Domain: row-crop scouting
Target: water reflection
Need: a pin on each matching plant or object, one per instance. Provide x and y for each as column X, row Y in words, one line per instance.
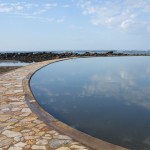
column 121, row 86
column 107, row 98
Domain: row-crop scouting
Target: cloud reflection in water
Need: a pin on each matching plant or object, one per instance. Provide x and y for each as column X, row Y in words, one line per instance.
column 122, row 86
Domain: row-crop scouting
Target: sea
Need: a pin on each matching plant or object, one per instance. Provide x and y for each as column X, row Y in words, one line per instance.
column 83, row 51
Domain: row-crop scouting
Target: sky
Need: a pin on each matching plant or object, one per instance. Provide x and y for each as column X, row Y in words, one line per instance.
column 74, row 25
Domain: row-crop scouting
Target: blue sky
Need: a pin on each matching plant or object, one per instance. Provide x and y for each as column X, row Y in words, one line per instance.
column 74, row 24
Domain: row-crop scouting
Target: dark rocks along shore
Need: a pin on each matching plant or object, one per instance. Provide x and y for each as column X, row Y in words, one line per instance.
column 41, row 56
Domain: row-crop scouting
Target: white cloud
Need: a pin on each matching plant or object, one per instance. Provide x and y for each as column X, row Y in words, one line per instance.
column 60, row 20
column 45, row 8
column 4, row 8
column 31, row 11
column 121, row 14
column 30, row 5
column 66, row 6
column 50, row 5
column 38, row 12
column 13, row 7
column 126, row 23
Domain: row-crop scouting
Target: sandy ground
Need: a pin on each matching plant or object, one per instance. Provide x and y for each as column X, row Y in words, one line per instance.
column 4, row 69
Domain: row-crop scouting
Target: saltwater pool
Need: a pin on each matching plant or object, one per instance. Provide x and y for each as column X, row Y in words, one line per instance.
column 106, row 97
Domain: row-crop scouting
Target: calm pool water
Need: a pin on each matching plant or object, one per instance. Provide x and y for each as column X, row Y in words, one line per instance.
column 106, row 97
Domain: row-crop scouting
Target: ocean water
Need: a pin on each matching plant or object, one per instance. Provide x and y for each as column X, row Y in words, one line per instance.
column 83, row 51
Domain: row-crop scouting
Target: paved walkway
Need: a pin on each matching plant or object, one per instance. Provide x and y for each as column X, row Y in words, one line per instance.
column 20, row 128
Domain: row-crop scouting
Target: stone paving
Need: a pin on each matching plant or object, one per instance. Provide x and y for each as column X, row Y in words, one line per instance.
column 20, row 128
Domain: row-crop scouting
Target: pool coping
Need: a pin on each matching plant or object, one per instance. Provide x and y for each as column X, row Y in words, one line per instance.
column 48, row 119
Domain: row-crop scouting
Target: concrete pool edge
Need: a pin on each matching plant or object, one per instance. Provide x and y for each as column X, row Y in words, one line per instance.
column 58, row 125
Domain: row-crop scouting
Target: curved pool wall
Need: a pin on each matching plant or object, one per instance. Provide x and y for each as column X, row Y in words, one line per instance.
column 111, row 104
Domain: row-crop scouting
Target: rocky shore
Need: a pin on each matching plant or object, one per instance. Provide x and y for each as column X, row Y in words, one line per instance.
column 42, row 56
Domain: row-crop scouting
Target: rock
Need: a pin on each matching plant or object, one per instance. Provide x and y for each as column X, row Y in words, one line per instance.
column 12, row 120
column 5, row 110
column 18, row 129
column 56, row 143
column 77, row 147
column 4, row 117
column 9, row 133
column 35, row 130
column 20, row 144
column 40, row 126
column 8, row 127
column 42, row 142
column 28, row 119
column 52, row 132
column 63, row 148
column 47, row 137
column 26, row 110
column 40, row 133
column 16, row 103
column 37, row 121
column 38, row 147
column 4, row 141
column 25, row 114
column 17, row 139
column 17, row 91
column 74, row 143
column 30, row 142
column 27, row 147
column 2, row 138
column 24, row 131
column 110, row 52
column 15, row 109
column 62, row 137
column 31, row 137
column 15, row 148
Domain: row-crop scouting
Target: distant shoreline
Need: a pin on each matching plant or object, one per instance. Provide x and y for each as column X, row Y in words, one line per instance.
column 42, row 56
